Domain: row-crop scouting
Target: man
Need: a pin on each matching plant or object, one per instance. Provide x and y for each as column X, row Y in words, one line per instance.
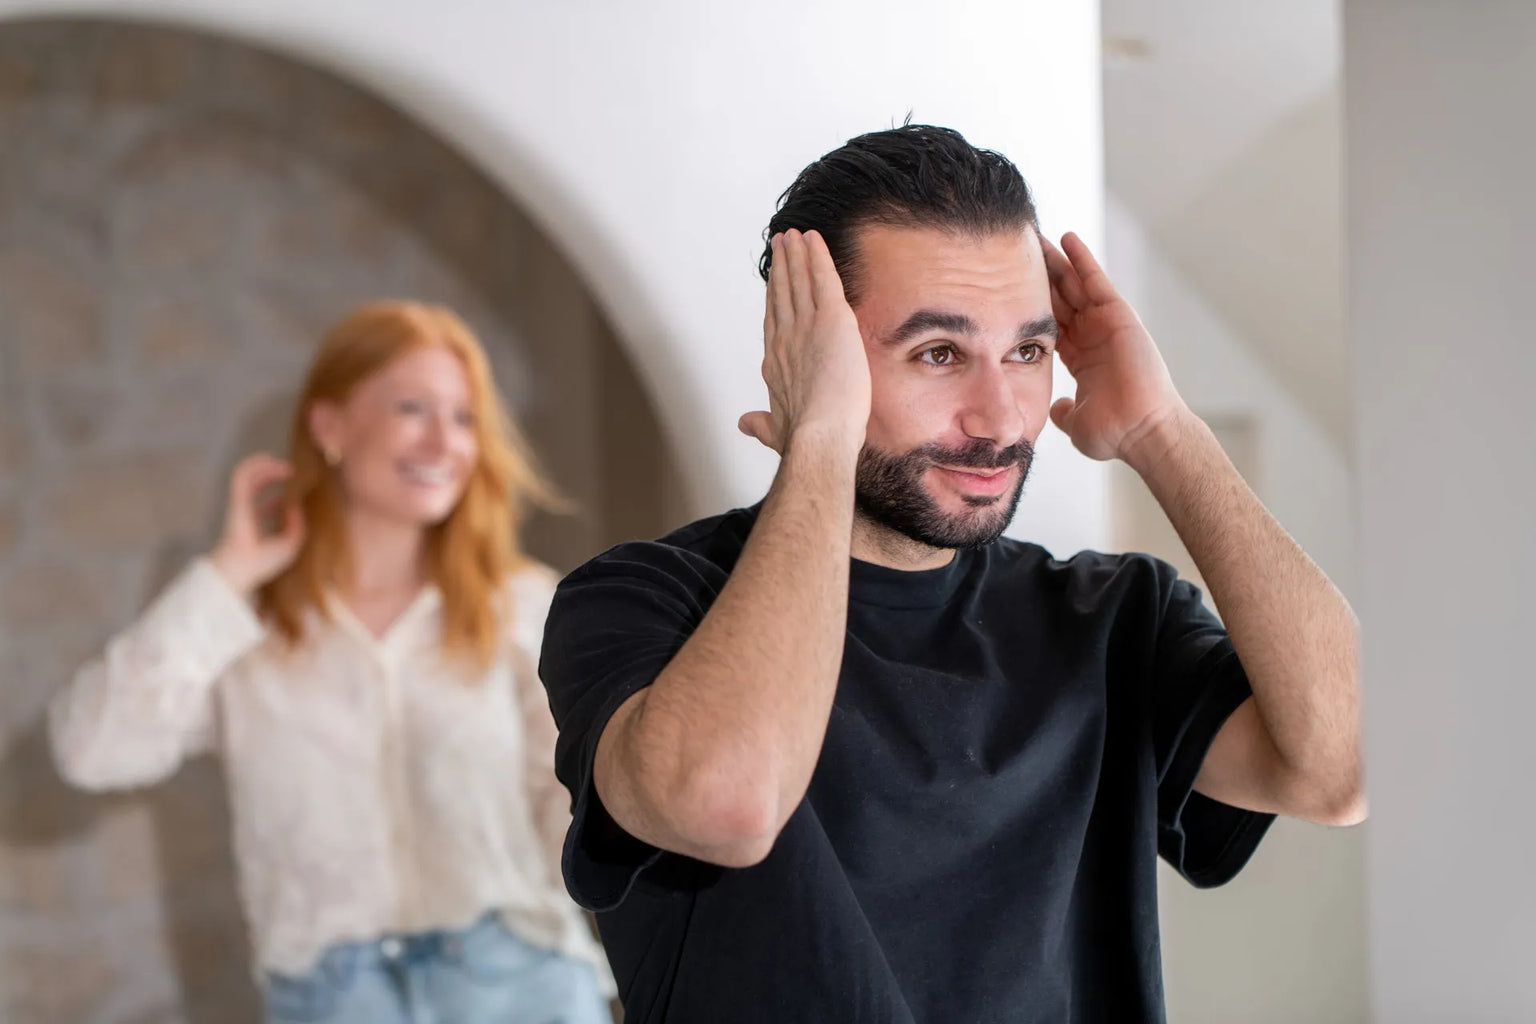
column 848, row 755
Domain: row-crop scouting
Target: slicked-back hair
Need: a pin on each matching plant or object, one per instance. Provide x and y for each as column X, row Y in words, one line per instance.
column 917, row 175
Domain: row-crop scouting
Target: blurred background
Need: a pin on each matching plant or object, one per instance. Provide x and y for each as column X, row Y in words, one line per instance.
column 1223, row 154
column 190, row 190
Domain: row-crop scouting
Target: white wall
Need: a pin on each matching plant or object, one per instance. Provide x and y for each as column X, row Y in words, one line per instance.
column 1441, row 157
column 1285, row 941
column 651, row 140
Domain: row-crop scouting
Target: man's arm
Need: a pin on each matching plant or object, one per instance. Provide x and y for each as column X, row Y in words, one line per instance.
column 712, row 758
column 1294, row 747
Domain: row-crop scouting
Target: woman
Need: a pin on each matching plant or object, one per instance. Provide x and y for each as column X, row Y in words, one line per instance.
column 363, row 653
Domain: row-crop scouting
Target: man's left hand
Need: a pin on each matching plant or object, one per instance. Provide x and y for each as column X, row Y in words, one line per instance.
column 1124, row 392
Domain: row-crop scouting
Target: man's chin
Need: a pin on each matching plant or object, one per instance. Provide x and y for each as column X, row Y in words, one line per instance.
column 928, row 509
column 985, row 515
column 968, row 525
column 975, row 531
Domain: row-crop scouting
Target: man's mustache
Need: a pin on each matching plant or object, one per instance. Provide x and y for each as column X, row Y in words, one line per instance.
column 978, row 454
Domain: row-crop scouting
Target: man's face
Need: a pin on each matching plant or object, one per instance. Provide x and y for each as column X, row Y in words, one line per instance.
column 960, row 338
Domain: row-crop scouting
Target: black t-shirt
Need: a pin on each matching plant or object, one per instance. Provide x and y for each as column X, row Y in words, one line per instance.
column 1013, row 741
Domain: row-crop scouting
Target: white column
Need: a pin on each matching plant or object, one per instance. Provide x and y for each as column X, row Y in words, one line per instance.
column 1441, row 155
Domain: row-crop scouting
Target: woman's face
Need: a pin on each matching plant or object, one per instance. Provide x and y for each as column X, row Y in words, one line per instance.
column 404, row 441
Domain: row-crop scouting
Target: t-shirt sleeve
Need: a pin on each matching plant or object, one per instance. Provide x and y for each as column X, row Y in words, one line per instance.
column 1197, row 683
column 614, row 625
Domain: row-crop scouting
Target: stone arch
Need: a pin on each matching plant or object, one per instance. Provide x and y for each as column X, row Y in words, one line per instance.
column 180, row 216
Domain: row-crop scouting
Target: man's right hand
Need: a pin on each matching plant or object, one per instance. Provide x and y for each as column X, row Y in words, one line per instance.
column 246, row 555
column 712, row 758
column 813, row 355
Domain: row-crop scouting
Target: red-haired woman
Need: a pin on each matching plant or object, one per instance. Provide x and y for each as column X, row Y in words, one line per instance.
column 363, row 656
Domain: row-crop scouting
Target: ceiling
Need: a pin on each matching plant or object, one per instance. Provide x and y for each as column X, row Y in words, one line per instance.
column 1223, row 137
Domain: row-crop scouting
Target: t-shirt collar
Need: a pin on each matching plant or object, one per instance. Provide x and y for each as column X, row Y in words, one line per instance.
column 885, row 587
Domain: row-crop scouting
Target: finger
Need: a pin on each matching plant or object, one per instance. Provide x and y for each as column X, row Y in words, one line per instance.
column 778, row 285
column 271, row 472
column 1096, row 284
column 1061, row 309
column 769, row 321
column 254, row 472
column 1061, row 413
column 1063, row 277
column 826, row 283
column 758, row 426
column 264, row 459
column 1067, row 354
column 1066, row 319
column 799, row 274
column 293, row 525
column 769, row 324
column 262, row 466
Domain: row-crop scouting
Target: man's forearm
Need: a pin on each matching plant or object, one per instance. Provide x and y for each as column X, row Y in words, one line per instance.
column 1295, row 633
column 722, row 745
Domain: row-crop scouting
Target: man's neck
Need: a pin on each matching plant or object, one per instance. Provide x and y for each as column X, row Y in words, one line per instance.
column 885, row 546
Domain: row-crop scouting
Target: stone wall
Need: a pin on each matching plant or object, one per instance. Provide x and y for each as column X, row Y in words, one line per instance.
column 180, row 217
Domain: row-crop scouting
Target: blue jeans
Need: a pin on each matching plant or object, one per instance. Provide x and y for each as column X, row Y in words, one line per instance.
column 481, row 975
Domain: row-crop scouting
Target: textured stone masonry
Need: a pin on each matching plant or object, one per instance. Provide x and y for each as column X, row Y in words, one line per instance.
column 180, row 216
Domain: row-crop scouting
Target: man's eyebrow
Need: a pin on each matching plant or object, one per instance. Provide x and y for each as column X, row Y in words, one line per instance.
column 1039, row 327
column 925, row 320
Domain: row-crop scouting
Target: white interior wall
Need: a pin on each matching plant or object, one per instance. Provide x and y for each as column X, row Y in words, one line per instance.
column 651, row 141
column 1441, row 154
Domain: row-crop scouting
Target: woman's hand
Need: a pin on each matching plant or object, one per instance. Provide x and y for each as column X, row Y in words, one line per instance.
column 247, row 556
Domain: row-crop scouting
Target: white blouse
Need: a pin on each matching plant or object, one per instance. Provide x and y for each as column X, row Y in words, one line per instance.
column 374, row 787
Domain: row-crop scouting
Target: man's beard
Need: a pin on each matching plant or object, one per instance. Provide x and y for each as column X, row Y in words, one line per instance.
column 889, row 491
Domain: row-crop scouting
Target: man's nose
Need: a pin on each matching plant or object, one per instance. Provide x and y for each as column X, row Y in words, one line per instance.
column 992, row 408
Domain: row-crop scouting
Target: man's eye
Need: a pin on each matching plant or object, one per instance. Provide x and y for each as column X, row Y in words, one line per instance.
column 939, row 355
column 1031, row 352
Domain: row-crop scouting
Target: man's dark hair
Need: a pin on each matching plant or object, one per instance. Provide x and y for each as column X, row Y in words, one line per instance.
column 917, row 175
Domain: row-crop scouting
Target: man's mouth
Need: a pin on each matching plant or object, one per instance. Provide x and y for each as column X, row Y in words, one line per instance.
column 978, row 480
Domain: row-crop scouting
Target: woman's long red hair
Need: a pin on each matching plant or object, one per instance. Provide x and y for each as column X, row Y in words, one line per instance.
column 470, row 553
